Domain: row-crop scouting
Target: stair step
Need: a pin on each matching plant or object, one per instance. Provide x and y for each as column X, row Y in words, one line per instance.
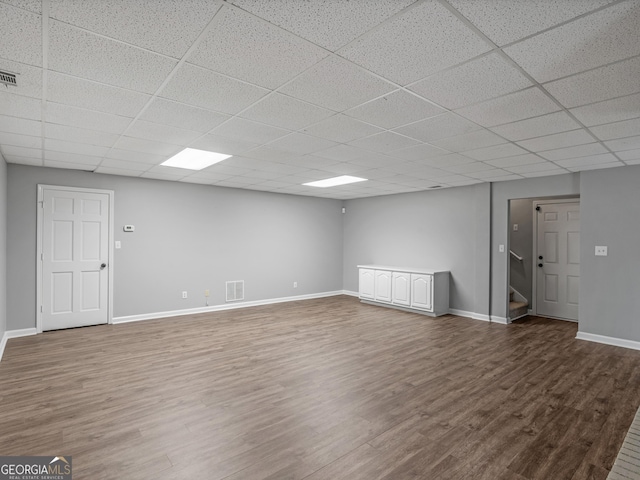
column 518, row 309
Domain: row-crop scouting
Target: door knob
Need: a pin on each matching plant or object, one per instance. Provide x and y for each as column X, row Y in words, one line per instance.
column 103, row 266
column 540, row 257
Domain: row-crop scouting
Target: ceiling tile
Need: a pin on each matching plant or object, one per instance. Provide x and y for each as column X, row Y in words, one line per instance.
column 82, row 54
column 20, row 125
column 478, row 139
column 94, row 96
column 34, row 6
column 525, row 159
column 243, row 46
column 117, row 171
column 286, row 112
column 341, row 128
column 266, row 152
column 395, row 109
column 68, row 157
column 73, row 147
column 510, row 108
column 573, row 152
column 36, row 162
column 14, row 151
column 28, row 78
column 468, row 168
column 629, row 155
column 557, row 140
column 478, row 80
column 384, row 142
column 495, row 175
column 184, row 116
column 546, row 173
column 162, row 175
column 342, row 168
column 609, row 111
column 308, row 161
column 21, row 35
column 588, row 160
column 396, row 50
column 573, row 47
column 341, row 153
column 503, row 21
column 165, row 27
column 621, row 144
column 251, row 131
column 147, row 146
column 452, row 179
column 376, row 160
column 302, row 144
column 442, row 126
column 89, row 119
column 69, row 166
column 125, row 165
column 448, row 160
column 496, row 151
column 206, row 89
column 419, row 152
column 580, row 168
column 537, row 126
column 161, row 133
column 540, row 166
column 336, row 84
column 141, row 157
column 18, row 140
column 328, row 24
column 79, row 135
column 596, row 85
column 19, row 106
column 229, row 146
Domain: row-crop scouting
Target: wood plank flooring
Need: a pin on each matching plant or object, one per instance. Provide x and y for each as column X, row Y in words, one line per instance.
column 320, row 389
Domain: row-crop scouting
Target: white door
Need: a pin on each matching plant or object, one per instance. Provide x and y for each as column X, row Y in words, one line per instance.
column 401, row 289
column 422, row 291
column 366, row 283
column 383, row 286
column 558, row 260
column 75, row 258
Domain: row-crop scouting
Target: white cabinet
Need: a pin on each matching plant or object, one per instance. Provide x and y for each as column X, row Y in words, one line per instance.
column 420, row 290
column 383, row 286
column 367, row 281
column 401, row 289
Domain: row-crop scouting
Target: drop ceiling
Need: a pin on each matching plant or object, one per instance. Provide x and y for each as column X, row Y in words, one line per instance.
column 409, row 94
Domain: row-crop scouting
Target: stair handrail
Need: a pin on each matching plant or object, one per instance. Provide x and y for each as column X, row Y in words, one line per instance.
column 516, row 256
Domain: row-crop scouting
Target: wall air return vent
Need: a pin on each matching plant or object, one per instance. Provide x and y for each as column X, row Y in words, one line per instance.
column 235, row 290
column 8, row 78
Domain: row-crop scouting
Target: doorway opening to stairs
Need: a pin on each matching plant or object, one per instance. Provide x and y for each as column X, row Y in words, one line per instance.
column 544, row 257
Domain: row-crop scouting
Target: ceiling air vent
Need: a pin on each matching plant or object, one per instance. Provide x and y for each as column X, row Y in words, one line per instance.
column 8, row 78
column 235, row 291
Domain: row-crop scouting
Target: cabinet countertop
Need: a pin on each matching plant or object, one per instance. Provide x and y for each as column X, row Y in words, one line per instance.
column 405, row 270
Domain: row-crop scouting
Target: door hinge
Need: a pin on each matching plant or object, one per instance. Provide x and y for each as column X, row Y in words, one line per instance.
column 41, row 309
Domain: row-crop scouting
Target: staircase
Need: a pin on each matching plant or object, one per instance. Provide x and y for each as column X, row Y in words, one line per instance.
column 517, row 309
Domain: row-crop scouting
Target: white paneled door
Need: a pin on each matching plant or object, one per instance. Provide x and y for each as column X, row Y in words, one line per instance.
column 558, row 260
column 75, row 258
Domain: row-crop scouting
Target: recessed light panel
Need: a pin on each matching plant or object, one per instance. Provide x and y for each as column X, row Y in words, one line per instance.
column 335, row 181
column 194, row 159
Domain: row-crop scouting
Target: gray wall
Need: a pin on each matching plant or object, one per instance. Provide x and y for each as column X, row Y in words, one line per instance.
column 521, row 242
column 187, row 237
column 609, row 286
column 501, row 194
column 3, row 246
column 440, row 229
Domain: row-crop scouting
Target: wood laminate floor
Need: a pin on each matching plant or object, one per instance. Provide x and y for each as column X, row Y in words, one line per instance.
column 320, row 389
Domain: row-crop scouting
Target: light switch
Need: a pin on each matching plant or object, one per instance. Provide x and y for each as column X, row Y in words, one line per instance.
column 601, row 251
column 118, row 244
column 501, row 248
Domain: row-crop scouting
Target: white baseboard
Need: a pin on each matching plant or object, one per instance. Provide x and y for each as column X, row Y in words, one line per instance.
column 25, row 332
column 350, row 293
column 617, row 342
column 476, row 316
column 501, row 320
column 226, row 306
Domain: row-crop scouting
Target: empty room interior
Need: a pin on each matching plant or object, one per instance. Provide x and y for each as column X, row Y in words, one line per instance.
column 323, row 239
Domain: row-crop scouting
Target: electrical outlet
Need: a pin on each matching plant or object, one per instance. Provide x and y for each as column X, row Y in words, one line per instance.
column 295, row 284
column 118, row 244
column 601, row 251
column 184, row 294
column 515, row 227
column 206, row 292
column 501, row 248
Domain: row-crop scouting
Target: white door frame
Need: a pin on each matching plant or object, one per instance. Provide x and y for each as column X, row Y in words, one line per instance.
column 534, row 259
column 40, row 232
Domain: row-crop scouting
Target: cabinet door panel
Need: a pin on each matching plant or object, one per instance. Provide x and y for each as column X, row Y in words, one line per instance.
column 383, row 286
column 422, row 291
column 401, row 288
column 366, row 284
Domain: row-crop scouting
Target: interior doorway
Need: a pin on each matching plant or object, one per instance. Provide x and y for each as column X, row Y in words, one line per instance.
column 547, row 286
